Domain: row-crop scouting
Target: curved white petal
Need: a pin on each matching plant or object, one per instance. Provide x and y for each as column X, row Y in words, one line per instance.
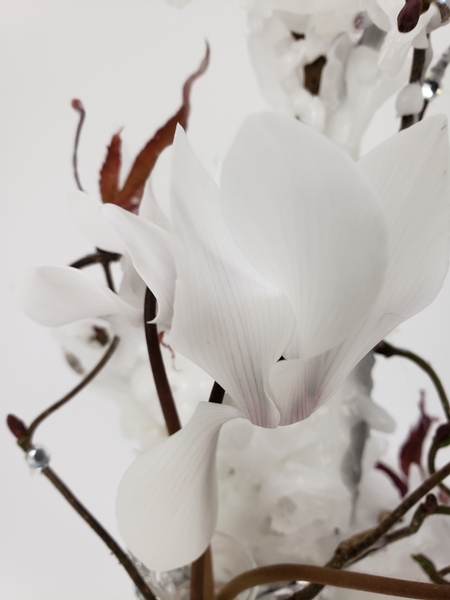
column 132, row 287
column 150, row 249
column 296, row 387
column 87, row 214
column 410, row 172
column 227, row 319
column 167, row 501
column 150, row 210
column 308, row 221
column 55, row 296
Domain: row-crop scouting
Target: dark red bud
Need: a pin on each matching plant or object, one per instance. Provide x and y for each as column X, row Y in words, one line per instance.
column 100, row 335
column 16, row 426
column 77, row 105
column 409, row 16
column 430, row 503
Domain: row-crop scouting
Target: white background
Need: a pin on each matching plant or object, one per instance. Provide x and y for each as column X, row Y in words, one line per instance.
column 126, row 60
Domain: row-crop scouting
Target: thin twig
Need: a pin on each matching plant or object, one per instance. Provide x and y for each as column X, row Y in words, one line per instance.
column 102, row 257
column 326, row 576
column 106, row 264
column 441, row 440
column 78, row 106
column 24, row 440
column 352, row 548
column 424, row 510
column 429, row 568
column 98, row 258
column 388, row 350
column 202, row 585
column 89, row 377
column 163, row 389
column 123, row 558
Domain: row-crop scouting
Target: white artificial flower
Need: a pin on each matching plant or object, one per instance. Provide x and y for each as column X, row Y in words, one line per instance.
column 300, row 254
column 352, row 85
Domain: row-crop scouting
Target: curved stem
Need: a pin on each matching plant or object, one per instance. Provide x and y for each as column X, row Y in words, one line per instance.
column 388, row 350
column 334, row 577
column 99, row 257
column 102, row 257
column 123, row 558
column 428, row 567
column 165, row 396
column 202, row 585
column 431, row 464
column 89, row 377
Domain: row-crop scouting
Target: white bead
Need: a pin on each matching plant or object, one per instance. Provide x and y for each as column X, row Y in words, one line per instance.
column 410, row 100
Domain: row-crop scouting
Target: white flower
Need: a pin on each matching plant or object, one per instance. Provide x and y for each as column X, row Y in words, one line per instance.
column 301, row 254
column 352, row 86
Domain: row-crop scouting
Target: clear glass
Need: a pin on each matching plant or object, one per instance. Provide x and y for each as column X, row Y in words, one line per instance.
column 230, row 558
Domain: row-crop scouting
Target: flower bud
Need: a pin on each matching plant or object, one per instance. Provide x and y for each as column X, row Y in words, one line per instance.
column 409, row 16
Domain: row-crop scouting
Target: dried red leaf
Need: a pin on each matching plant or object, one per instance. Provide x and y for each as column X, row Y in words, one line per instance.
column 400, row 484
column 411, row 451
column 16, row 426
column 110, row 171
column 409, row 16
column 130, row 196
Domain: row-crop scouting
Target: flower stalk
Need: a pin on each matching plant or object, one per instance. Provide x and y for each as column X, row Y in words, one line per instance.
column 389, row 350
column 163, row 389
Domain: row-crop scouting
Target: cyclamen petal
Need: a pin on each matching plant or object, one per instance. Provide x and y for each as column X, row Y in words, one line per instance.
column 309, row 222
column 56, row 296
column 167, row 502
column 227, row 318
column 411, row 173
column 150, row 249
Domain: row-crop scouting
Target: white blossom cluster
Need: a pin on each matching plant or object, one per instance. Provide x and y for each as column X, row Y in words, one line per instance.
column 356, row 48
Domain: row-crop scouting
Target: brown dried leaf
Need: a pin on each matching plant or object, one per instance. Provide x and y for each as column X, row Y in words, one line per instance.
column 411, row 451
column 110, row 171
column 130, row 196
column 401, row 485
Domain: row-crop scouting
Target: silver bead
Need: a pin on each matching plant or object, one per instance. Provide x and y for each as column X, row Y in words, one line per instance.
column 430, row 89
column 38, row 457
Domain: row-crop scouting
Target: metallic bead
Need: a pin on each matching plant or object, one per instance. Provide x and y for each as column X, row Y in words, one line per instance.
column 430, row 88
column 38, row 457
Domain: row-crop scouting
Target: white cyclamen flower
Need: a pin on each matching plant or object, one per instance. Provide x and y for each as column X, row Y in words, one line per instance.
column 300, row 254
